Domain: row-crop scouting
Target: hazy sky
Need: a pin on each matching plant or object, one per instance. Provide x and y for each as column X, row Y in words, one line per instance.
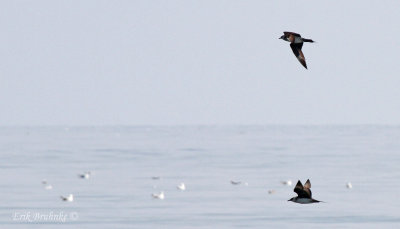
column 198, row 62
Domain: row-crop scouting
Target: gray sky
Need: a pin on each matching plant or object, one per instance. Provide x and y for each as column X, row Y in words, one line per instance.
column 198, row 62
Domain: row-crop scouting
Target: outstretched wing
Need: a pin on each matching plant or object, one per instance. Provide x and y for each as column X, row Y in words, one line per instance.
column 289, row 33
column 291, row 36
column 299, row 187
column 307, row 184
column 307, row 187
column 296, row 48
column 301, row 191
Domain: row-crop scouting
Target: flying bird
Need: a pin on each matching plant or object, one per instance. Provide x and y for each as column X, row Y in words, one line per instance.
column 304, row 195
column 296, row 43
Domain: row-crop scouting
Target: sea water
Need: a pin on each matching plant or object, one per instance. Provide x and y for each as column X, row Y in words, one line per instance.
column 124, row 159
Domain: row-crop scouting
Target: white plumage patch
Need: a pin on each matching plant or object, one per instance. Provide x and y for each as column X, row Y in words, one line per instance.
column 298, row 40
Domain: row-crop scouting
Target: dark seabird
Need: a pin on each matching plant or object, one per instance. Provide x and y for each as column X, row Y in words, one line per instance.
column 296, row 43
column 303, row 193
column 235, row 182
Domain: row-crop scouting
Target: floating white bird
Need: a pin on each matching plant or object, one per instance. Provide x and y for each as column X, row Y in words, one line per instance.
column 158, row 196
column 349, row 185
column 47, row 186
column 85, row 175
column 181, row 187
column 287, row 182
column 68, row 198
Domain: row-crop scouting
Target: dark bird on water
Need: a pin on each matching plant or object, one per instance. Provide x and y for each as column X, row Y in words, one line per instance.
column 304, row 195
column 296, row 43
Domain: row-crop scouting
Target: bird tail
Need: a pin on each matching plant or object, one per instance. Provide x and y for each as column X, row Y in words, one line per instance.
column 308, row 40
column 317, row 201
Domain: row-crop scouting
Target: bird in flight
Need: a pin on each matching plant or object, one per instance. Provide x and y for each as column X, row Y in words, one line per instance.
column 296, row 43
column 304, row 195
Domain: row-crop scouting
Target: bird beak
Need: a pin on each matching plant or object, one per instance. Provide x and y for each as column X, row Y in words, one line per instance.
column 280, row 38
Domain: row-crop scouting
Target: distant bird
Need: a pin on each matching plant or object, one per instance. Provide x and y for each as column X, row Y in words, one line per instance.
column 239, row 183
column 181, row 187
column 68, row 198
column 287, row 182
column 158, row 196
column 236, row 182
column 296, row 43
column 271, row 191
column 349, row 185
column 46, row 185
column 304, row 195
column 85, row 175
column 156, row 178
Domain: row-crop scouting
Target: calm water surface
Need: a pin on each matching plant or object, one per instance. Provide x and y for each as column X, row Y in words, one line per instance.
column 206, row 159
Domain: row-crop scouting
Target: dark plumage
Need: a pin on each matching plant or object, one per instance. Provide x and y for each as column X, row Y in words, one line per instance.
column 304, row 195
column 296, row 43
column 303, row 191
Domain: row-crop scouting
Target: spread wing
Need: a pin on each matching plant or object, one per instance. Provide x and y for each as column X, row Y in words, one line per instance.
column 301, row 191
column 291, row 33
column 307, row 184
column 296, row 48
column 291, row 36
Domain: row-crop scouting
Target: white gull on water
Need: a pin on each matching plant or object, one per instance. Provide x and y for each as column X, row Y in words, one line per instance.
column 287, row 182
column 349, row 185
column 68, row 198
column 46, row 185
column 85, row 175
column 158, row 195
column 181, row 187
